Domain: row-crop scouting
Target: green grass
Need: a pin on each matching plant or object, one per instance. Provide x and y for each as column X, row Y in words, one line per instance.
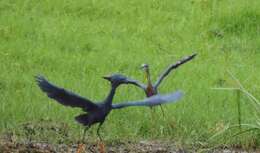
column 74, row 43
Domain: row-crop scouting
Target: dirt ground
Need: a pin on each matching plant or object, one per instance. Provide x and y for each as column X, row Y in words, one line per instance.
column 140, row 147
column 143, row 147
column 9, row 143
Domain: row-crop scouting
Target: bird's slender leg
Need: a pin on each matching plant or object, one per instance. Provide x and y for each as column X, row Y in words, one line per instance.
column 153, row 120
column 84, row 133
column 162, row 111
column 98, row 130
column 152, row 112
column 101, row 144
column 81, row 144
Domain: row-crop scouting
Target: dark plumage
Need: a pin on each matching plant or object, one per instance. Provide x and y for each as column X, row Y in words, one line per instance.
column 97, row 112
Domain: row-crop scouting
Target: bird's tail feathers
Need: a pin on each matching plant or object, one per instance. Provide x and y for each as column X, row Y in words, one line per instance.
column 83, row 119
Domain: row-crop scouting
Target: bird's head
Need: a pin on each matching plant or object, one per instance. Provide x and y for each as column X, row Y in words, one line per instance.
column 117, row 79
column 145, row 68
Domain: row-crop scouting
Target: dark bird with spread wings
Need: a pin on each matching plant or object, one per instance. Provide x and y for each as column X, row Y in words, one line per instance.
column 97, row 112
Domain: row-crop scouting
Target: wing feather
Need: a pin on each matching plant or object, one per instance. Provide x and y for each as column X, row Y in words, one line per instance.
column 171, row 67
column 63, row 96
column 152, row 101
column 136, row 83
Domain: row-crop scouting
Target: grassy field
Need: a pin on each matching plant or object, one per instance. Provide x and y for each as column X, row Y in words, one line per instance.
column 74, row 43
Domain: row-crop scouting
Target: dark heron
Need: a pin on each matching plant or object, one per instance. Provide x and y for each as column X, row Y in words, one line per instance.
column 151, row 89
column 97, row 112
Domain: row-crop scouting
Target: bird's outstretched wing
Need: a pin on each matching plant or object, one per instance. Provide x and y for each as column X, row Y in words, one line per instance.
column 136, row 83
column 63, row 96
column 171, row 67
column 152, row 101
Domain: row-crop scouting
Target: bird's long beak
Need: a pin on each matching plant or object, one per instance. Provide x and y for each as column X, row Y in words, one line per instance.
column 107, row 77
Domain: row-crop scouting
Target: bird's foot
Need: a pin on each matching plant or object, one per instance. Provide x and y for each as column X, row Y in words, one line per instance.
column 81, row 148
column 101, row 147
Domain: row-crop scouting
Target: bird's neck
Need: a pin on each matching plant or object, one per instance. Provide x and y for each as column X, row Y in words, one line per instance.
column 111, row 94
column 149, row 82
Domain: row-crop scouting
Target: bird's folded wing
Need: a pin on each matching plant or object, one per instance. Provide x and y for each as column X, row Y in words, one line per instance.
column 63, row 96
column 152, row 101
column 171, row 67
